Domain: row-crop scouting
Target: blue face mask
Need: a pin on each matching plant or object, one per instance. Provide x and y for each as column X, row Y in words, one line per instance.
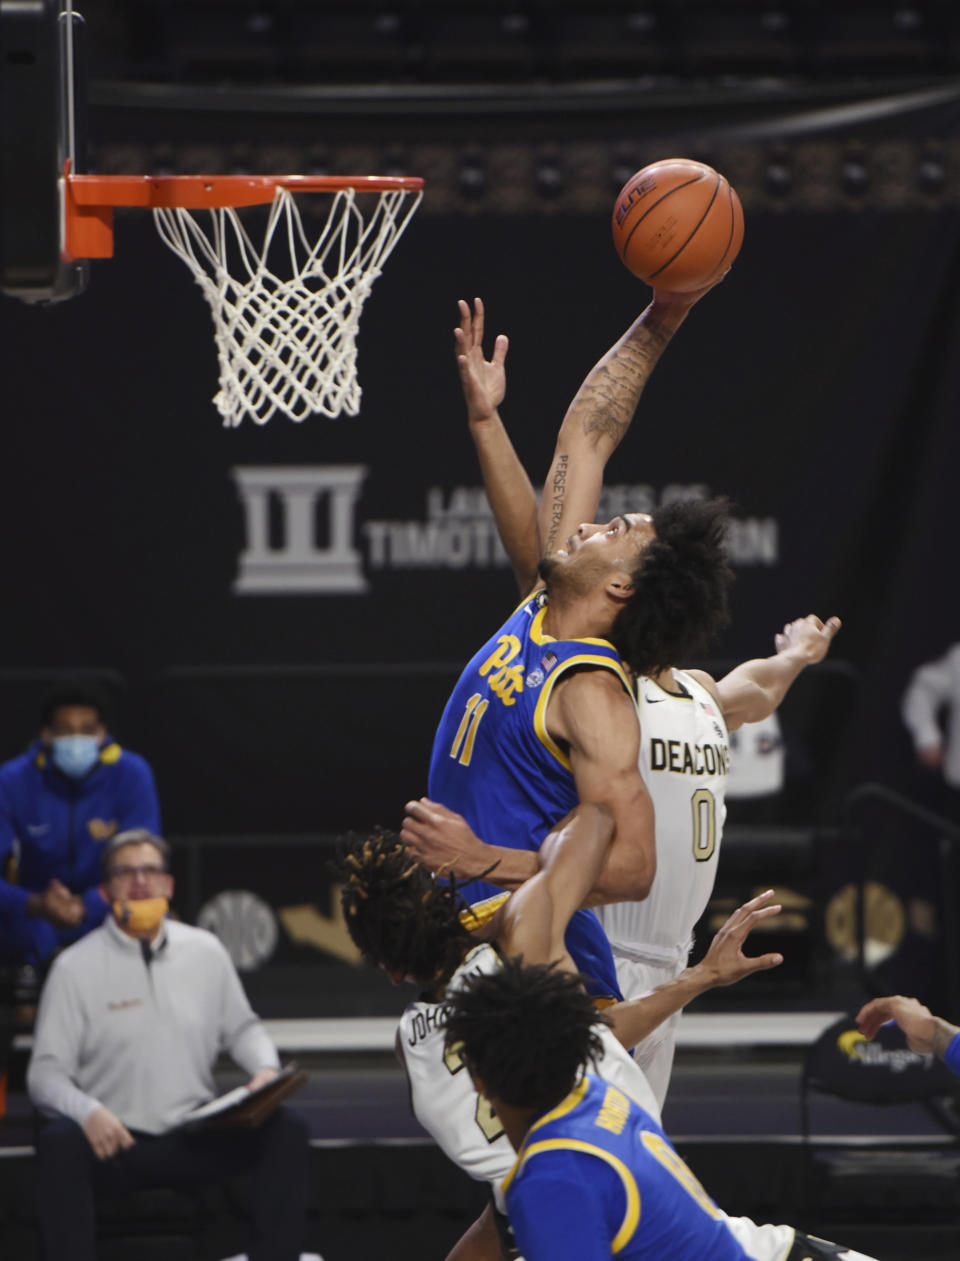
column 75, row 755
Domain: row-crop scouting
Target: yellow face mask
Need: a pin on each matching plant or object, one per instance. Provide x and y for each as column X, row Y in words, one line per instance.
column 141, row 917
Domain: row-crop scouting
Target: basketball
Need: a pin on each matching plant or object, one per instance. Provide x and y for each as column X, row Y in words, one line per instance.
column 677, row 224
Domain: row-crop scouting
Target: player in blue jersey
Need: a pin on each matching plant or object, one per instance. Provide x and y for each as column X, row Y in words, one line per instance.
column 543, row 715
column 650, row 939
column 595, row 1175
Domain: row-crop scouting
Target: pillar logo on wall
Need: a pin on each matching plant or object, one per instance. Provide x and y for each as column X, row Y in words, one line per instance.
column 304, row 537
column 300, row 565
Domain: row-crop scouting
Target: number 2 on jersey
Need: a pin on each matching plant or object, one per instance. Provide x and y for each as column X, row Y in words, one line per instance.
column 704, row 806
column 462, row 746
column 485, row 1117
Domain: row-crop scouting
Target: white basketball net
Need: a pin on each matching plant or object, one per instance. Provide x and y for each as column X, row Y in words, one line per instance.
column 288, row 343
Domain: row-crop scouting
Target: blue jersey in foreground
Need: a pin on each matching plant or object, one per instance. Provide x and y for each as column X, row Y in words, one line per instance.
column 596, row 1177
column 495, row 762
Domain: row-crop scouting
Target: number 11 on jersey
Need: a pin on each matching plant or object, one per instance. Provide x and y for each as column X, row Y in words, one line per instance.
column 462, row 746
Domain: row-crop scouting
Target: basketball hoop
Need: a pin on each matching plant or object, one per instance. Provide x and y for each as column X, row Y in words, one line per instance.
column 286, row 310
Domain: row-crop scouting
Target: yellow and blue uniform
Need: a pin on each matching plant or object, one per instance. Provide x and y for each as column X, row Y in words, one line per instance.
column 55, row 827
column 495, row 762
column 597, row 1177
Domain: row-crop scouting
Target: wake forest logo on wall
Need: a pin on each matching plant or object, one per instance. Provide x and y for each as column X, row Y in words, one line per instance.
column 305, row 536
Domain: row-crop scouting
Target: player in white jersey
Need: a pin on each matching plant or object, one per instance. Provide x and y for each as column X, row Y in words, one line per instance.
column 685, row 717
column 684, row 759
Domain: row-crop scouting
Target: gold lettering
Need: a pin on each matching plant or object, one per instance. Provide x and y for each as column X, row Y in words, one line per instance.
column 613, row 1111
column 507, row 648
column 507, row 682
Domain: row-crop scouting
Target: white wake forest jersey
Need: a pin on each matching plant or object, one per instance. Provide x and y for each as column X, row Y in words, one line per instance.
column 442, row 1096
column 684, row 761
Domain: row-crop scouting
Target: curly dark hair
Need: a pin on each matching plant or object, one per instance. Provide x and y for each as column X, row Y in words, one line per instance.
column 680, row 600
column 398, row 915
column 527, row 1030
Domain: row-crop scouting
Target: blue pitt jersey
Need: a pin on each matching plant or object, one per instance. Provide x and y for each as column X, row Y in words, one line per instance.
column 495, row 763
column 597, row 1177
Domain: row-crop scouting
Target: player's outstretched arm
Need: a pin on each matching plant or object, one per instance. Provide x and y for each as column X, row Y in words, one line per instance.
column 723, row 964
column 593, row 718
column 600, row 414
column 572, row 852
column 505, row 480
column 754, row 689
column 926, row 1033
column 444, row 841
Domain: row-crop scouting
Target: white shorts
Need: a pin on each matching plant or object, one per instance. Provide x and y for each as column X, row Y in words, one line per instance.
column 655, row 1053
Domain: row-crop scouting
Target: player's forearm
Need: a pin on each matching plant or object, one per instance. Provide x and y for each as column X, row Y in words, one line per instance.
column 603, row 407
column 600, row 415
column 511, row 497
column 510, row 867
column 572, row 857
column 754, row 689
column 637, row 1018
column 626, row 876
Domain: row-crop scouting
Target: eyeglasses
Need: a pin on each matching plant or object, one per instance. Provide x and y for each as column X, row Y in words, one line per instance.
column 149, row 871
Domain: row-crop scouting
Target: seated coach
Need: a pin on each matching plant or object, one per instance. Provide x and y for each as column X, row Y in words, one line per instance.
column 131, row 1021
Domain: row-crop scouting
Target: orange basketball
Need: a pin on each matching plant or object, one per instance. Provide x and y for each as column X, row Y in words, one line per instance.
column 677, row 224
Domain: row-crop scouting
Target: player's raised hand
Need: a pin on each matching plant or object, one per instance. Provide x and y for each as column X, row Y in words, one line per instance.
column 484, row 381
column 443, row 840
column 808, row 637
column 725, row 959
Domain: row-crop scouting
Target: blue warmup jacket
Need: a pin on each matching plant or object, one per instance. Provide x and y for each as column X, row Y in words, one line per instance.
column 54, row 827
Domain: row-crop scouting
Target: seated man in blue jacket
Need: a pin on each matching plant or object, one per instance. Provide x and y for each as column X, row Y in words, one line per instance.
column 72, row 790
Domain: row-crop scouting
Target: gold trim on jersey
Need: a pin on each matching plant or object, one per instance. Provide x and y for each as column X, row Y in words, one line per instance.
column 540, row 636
column 540, row 712
column 567, row 1104
column 631, row 1216
column 479, row 914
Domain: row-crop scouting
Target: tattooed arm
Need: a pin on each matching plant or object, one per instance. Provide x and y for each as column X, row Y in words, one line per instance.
column 600, row 415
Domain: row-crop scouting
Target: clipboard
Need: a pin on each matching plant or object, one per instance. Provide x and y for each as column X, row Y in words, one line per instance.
column 246, row 1109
